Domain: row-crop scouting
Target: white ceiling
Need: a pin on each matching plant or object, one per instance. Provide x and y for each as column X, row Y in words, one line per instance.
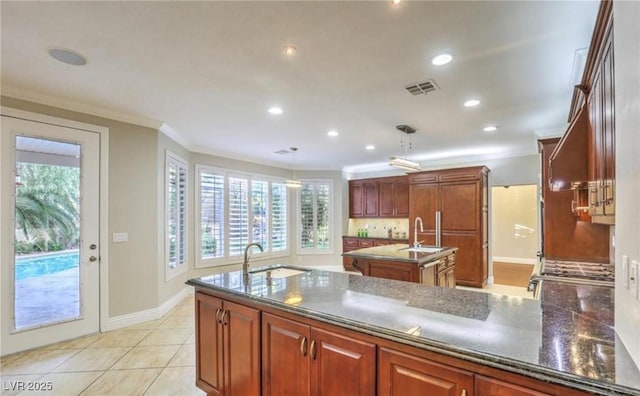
column 210, row 71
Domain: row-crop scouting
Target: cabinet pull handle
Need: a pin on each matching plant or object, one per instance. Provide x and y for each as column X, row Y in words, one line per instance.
column 303, row 346
column 218, row 312
column 223, row 318
column 463, row 393
column 312, row 351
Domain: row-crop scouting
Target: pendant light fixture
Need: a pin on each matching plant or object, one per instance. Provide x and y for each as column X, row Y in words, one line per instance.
column 293, row 183
column 405, row 163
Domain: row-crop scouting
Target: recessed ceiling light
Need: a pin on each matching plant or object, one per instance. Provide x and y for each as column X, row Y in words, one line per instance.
column 490, row 128
column 67, row 56
column 441, row 59
column 370, row 147
column 332, row 133
column 471, row 103
column 289, row 50
column 395, row 1
column 275, row 110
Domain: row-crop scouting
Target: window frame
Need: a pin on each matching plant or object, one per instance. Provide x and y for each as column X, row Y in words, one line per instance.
column 226, row 258
column 330, row 211
column 180, row 266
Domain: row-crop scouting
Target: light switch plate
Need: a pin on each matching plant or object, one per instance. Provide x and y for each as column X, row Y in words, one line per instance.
column 625, row 271
column 120, row 237
column 633, row 278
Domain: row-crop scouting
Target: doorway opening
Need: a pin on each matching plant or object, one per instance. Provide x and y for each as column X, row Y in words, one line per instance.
column 514, row 235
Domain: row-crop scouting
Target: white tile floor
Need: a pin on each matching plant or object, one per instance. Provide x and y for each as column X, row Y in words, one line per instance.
column 153, row 358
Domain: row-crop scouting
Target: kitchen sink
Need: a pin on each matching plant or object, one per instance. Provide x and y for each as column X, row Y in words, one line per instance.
column 424, row 249
column 278, row 272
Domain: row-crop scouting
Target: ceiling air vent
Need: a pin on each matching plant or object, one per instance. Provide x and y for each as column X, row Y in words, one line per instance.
column 422, row 88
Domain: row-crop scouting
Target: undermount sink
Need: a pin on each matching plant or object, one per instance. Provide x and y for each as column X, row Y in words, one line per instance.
column 424, row 249
column 278, row 273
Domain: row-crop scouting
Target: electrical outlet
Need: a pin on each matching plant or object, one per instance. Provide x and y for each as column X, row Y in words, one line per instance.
column 625, row 271
column 633, row 278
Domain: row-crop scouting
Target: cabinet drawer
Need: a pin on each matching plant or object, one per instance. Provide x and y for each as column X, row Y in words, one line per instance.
column 366, row 243
column 349, row 244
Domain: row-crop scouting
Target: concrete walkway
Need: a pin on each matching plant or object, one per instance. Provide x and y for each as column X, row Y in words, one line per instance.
column 48, row 298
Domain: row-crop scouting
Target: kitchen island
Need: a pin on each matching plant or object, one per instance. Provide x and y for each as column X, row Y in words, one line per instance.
column 429, row 265
column 319, row 332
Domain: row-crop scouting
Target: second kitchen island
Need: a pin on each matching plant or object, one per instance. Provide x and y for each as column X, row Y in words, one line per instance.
column 429, row 265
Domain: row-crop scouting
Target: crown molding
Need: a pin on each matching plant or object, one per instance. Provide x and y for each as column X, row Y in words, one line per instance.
column 30, row 96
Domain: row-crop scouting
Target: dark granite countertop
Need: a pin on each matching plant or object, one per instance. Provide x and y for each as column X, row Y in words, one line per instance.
column 396, row 252
column 399, row 240
column 565, row 338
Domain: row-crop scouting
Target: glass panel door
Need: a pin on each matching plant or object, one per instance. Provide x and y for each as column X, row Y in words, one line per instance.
column 50, row 228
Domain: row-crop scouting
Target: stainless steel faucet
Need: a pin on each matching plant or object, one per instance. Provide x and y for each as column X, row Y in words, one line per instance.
column 415, row 231
column 245, row 263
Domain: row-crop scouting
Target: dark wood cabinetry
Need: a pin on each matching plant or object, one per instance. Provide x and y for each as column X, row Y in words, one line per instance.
column 565, row 236
column 401, row 374
column 602, row 121
column 394, row 197
column 490, row 386
column 440, row 272
column 459, row 198
column 363, row 198
column 303, row 360
column 584, row 159
column 243, row 348
column 228, row 347
column 386, row 197
column 355, row 243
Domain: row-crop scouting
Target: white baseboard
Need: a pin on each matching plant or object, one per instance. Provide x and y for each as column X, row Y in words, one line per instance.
column 134, row 318
column 490, row 280
column 515, row 260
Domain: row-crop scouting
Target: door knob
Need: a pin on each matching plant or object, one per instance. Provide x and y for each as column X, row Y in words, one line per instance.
column 93, row 258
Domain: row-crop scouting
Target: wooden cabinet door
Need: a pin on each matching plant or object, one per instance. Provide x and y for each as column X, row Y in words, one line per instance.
column 391, row 270
column 356, row 199
column 608, row 133
column 285, row 364
column 447, row 278
column 341, row 365
column 209, row 350
column 460, row 206
column 400, row 374
column 401, row 191
column 423, row 203
column 486, row 386
column 387, row 204
column 370, row 199
column 241, row 335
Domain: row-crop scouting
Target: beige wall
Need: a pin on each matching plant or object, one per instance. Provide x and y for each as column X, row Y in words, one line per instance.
column 626, row 15
column 133, row 275
column 514, row 220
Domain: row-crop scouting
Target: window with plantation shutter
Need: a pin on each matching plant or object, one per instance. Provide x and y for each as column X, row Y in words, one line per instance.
column 235, row 210
column 238, row 215
column 314, row 225
column 260, row 213
column 212, row 209
column 278, row 217
column 176, row 214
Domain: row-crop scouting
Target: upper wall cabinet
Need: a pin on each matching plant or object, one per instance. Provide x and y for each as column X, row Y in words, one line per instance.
column 380, row 197
column 584, row 159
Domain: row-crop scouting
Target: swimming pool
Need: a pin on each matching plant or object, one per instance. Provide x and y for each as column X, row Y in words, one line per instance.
column 30, row 267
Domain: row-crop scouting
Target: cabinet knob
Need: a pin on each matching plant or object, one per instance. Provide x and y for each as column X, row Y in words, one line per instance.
column 463, row 393
column 303, row 346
